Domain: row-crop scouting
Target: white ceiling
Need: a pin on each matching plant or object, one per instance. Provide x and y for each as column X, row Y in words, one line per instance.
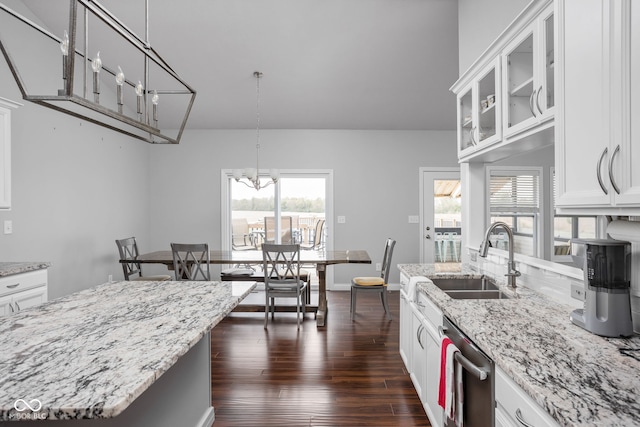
column 327, row 64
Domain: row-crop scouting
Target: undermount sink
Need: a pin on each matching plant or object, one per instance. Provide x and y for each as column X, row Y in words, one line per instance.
column 466, row 284
column 477, row 294
column 470, row 288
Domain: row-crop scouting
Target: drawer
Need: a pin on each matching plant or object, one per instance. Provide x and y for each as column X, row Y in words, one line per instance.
column 429, row 310
column 516, row 405
column 23, row 281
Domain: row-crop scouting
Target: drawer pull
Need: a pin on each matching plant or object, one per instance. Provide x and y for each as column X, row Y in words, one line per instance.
column 15, row 285
column 521, row 419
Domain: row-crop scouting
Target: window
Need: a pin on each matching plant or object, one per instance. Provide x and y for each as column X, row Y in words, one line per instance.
column 514, row 198
column 284, row 212
column 569, row 227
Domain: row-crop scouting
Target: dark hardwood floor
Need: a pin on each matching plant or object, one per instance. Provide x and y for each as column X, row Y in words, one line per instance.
column 345, row 374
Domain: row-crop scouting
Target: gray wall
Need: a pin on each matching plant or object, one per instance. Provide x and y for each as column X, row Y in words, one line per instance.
column 480, row 22
column 375, row 183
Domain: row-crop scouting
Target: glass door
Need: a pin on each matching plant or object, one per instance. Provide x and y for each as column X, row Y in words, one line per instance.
column 441, row 218
column 520, row 84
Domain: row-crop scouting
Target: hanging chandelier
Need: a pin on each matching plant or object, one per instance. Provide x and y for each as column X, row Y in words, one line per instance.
column 253, row 175
column 89, row 27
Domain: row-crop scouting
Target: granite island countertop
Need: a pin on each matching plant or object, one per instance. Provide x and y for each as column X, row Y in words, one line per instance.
column 11, row 268
column 92, row 353
column 579, row 378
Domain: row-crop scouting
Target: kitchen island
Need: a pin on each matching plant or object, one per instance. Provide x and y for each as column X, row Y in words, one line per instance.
column 125, row 353
column 578, row 378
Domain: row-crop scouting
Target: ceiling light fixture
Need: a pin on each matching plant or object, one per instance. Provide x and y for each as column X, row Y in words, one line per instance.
column 127, row 114
column 253, row 175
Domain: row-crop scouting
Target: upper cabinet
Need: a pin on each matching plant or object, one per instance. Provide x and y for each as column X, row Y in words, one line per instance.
column 598, row 119
column 506, row 99
column 529, row 61
column 479, row 110
column 5, row 152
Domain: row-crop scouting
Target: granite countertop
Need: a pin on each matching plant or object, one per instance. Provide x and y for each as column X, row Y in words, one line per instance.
column 581, row 379
column 11, row 268
column 90, row 354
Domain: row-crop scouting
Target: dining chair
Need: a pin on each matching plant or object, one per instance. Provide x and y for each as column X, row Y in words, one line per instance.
column 317, row 242
column 281, row 265
column 374, row 284
column 286, row 229
column 191, row 261
column 241, row 237
column 128, row 249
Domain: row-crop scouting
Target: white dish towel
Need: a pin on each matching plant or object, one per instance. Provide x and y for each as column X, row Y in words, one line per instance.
column 411, row 289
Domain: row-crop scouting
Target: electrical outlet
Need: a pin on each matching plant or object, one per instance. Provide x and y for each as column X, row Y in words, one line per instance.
column 378, row 266
column 577, row 292
column 8, row 226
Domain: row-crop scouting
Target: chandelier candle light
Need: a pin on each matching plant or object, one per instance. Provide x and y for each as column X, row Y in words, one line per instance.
column 96, row 65
column 64, row 48
column 139, row 93
column 154, row 100
column 119, row 94
column 253, row 175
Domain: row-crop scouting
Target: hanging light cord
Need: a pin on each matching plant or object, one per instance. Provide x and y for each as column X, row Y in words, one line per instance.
column 257, row 74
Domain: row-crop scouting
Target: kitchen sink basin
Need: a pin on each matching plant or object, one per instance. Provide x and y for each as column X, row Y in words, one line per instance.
column 492, row 294
column 465, row 284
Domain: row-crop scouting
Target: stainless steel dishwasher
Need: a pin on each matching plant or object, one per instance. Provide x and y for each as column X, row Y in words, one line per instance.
column 478, row 380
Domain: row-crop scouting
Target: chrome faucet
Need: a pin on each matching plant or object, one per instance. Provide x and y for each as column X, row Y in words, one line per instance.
column 512, row 273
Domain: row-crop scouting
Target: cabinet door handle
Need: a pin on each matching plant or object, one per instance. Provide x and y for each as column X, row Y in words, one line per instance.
column 598, row 167
column 17, row 306
column 533, row 94
column 15, row 285
column 521, row 419
column 419, row 334
column 538, row 100
column 13, row 310
column 611, row 177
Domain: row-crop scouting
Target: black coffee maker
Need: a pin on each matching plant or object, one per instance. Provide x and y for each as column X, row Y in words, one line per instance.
column 607, row 277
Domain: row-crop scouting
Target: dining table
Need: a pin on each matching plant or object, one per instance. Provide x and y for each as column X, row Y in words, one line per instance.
column 319, row 259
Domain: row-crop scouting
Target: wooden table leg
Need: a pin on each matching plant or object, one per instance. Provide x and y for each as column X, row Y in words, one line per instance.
column 321, row 314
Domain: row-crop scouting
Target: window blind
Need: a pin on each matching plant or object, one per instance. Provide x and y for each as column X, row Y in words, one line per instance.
column 514, row 193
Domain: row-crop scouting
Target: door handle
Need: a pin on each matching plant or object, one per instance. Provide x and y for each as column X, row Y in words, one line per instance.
column 599, row 167
column 611, row 177
column 533, row 112
column 538, row 100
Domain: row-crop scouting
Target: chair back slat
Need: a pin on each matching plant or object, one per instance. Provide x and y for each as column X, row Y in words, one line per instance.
column 128, row 250
column 386, row 259
column 191, row 261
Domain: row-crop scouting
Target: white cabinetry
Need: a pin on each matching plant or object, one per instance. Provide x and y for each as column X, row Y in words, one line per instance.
column 21, row 291
column 515, row 409
column 431, row 341
column 598, row 124
column 419, row 353
column 518, row 71
column 5, row 152
column 420, row 348
column 479, row 111
column 528, row 63
column 405, row 323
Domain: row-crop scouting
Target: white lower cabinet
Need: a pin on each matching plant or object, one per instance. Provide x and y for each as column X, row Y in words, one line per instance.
column 418, row 354
column 514, row 408
column 21, row 291
column 405, row 330
column 422, row 346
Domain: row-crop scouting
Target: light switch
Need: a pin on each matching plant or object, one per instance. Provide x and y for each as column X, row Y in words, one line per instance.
column 8, row 226
column 414, row 219
column 342, row 219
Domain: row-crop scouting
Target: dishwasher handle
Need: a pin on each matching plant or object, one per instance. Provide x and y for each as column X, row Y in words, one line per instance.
column 469, row 366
